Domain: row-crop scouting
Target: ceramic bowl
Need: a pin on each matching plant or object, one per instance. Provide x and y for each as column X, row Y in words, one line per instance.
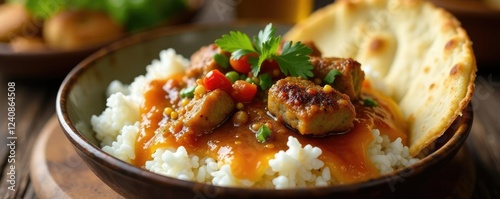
column 82, row 94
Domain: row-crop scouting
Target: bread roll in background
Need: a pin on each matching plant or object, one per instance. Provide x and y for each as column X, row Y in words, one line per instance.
column 80, row 29
column 13, row 19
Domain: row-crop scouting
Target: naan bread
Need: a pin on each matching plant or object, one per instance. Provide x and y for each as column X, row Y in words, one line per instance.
column 419, row 50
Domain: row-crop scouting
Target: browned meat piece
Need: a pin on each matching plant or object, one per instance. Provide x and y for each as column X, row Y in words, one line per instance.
column 352, row 76
column 209, row 111
column 202, row 61
column 310, row 109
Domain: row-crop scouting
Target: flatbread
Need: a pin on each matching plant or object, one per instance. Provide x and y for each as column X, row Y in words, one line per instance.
column 420, row 51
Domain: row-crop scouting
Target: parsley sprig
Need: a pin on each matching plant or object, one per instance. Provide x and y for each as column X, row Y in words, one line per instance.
column 293, row 59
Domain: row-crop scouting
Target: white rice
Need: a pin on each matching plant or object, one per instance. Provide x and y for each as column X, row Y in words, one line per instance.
column 118, row 126
column 389, row 156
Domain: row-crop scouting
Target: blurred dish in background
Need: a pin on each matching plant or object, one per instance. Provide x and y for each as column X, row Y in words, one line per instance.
column 77, row 29
column 481, row 20
column 48, row 38
column 287, row 11
column 495, row 3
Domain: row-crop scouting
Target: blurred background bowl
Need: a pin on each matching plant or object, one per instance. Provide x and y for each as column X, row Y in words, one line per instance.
column 53, row 63
column 82, row 94
column 47, row 64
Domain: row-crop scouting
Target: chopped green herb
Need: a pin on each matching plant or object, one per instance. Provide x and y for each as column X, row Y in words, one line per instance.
column 188, row 92
column 370, row 102
column 221, row 60
column 263, row 133
column 330, row 77
column 293, row 59
column 265, row 81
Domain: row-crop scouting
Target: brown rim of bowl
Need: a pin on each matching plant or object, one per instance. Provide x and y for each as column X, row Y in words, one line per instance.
column 459, row 130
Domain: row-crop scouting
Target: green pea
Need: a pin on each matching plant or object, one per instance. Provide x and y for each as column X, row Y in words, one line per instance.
column 233, row 76
column 221, row 60
column 249, row 80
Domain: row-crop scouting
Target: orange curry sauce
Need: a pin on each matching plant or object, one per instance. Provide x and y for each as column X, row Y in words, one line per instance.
column 344, row 154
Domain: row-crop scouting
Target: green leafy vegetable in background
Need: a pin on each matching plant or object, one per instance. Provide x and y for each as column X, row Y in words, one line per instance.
column 138, row 14
column 135, row 15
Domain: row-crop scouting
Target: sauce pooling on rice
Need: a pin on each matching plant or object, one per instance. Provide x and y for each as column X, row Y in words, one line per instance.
column 240, row 105
column 236, row 144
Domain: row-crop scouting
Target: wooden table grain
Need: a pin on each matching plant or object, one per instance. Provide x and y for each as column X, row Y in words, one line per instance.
column 484, row 140
column 34, row 105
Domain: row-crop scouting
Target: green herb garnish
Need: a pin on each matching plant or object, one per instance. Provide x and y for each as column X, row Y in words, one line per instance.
column 187, row 92
column 235, row 41
column 330, row 77
column 265, row 81
column 293, row 59
column 263, row 133
column 370, row 102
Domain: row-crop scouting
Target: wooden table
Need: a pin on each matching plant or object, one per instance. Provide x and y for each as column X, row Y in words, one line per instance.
column 35, row 105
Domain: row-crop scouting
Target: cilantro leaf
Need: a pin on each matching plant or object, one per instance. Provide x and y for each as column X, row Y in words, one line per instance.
column 294, row 60
column 264, row 35
column 240, row 53
column 268, row 50
column 254, row 64
column 330, row 77
column 235, row 41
